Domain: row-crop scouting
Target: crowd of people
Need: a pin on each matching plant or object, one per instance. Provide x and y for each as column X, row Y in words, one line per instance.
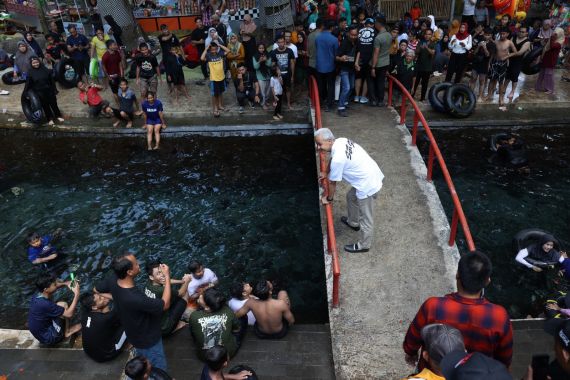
column 116, row 314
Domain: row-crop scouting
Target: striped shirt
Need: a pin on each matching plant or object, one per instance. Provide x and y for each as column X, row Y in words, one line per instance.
column 485, row 327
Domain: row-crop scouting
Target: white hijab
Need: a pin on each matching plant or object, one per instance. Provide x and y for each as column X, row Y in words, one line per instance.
column 432, row 20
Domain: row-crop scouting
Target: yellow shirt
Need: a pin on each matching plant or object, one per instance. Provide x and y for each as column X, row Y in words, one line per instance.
column 426, row 374
column 216, row 66
column 100, row 46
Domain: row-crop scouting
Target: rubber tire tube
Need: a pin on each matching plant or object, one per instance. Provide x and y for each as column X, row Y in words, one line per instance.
column 460, row 108
column 60, row 73
column 528, row 68
column 8, row 79
column 32, row 107
column 435, row 99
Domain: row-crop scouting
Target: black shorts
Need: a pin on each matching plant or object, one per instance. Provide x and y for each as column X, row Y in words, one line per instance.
column 114, row 84
column 514, row 71
column 81, row 66
column 286, row 81
column 278, row 335
column 364, row 72
column 95, row 111
column 117, row 114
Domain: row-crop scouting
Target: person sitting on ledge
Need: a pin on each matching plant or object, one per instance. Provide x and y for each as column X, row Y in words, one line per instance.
column 101, row 329
column 89, row 94
column 241, row 292
column 49, row 321
column 202, row 279
column 215, row 324
column 155, row 287
column 273, row 316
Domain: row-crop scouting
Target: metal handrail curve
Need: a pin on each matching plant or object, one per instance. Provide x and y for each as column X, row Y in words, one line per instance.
column 331, row 236
column 434, row 152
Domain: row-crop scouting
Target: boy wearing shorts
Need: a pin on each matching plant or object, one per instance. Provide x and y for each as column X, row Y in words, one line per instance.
column 112, row 67
column 128, row 102
column 148, row 71
column 215, row 58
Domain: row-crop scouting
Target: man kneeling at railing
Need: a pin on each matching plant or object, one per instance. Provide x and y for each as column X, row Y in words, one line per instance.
column 350, row 162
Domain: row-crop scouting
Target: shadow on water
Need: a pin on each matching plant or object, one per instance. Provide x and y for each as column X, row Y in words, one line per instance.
column 246, row 207
column 498, row 202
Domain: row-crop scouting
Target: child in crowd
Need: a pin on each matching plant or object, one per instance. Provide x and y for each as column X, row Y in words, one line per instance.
column 53, row 50
column 154, row 120
column 215, row 59
column 40, row 250
column 217, row 358
column 276, row 84
column 173, row 64
column 332, row 10
column 89, row 94
column 128, row 102
column 413, row 42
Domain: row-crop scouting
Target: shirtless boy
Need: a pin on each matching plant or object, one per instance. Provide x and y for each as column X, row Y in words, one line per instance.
column 499, row 65
column 273, row 316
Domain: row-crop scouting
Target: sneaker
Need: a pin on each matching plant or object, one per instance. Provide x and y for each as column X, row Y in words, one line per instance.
column 240, row 110
column 357, row 99
column 4, row 92
column 342, row 113
column 363, row 100
column 275, row 117
column 355, row 248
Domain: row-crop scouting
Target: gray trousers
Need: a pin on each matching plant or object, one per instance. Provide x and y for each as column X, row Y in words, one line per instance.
column 361, row 213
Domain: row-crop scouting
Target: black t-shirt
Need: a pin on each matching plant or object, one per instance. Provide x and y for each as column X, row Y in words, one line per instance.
column 249, row 81
column 147, row 65
column 282, row 59
column 349, row 49
column 167, row 42
column 140, row 315
column 365, row 45
column 102, row 333
column 200, row 34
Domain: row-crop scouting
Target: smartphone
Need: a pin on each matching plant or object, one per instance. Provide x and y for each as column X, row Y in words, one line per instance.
column 540, row 366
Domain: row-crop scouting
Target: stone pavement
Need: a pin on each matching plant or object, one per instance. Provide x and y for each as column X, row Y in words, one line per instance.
column 195, row 111
column 305, row 353
column 381, row 290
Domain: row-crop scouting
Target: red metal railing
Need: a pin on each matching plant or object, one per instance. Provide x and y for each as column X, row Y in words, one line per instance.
column 331, row 236
column 434, row 152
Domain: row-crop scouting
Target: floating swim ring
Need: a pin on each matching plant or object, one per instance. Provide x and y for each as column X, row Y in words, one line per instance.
column 8, row 78
column 32, row 107
column 65, row 73
column 526, row 237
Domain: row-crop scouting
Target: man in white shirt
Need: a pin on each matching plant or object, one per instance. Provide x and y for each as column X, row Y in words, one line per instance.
column 469, row 13
column 351, row 163
column 202, row 278
column 241, row 292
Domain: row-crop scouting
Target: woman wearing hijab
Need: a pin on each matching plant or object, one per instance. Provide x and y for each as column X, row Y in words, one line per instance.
column 31, row 41
column 432, row 24
column 539, row 255
column 545, row 32
column 442, row 54
column 22, row 60
column 236, row 55
column 214, row 37
column 545, row 81
column 459, row 44
column 42, row 83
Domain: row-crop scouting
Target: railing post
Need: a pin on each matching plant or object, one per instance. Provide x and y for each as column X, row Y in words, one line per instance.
column 403, row 110
column 390, row 91
column 415, row 129
column 335, row 297
column 453, row 231
column 430, row 163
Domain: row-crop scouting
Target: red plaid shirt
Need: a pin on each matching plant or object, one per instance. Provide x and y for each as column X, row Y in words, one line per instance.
column 485, row 327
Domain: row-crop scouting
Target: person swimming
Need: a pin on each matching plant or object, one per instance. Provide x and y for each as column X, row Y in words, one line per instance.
column 540, row 255
column 510, row 149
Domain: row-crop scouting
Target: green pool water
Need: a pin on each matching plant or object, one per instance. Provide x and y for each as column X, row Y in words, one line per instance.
column 247, row 207
column 499, row 202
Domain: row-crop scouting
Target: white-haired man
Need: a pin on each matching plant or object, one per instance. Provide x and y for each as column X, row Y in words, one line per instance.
column 350, row 162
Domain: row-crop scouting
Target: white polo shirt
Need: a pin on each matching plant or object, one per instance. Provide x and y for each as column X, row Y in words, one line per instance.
column 351, row 163
column 208, row 277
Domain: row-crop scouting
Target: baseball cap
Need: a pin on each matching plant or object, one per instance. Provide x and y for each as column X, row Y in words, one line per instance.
column 312, row 26
column 458, row 365
column 440, row 339
column 369, row 21
column 559, row 328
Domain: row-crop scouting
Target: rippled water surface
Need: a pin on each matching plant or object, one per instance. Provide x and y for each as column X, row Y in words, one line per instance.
column 246, row 207
column 499, row 202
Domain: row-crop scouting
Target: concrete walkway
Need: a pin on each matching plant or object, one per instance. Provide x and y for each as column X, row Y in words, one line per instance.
column 381, row 290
